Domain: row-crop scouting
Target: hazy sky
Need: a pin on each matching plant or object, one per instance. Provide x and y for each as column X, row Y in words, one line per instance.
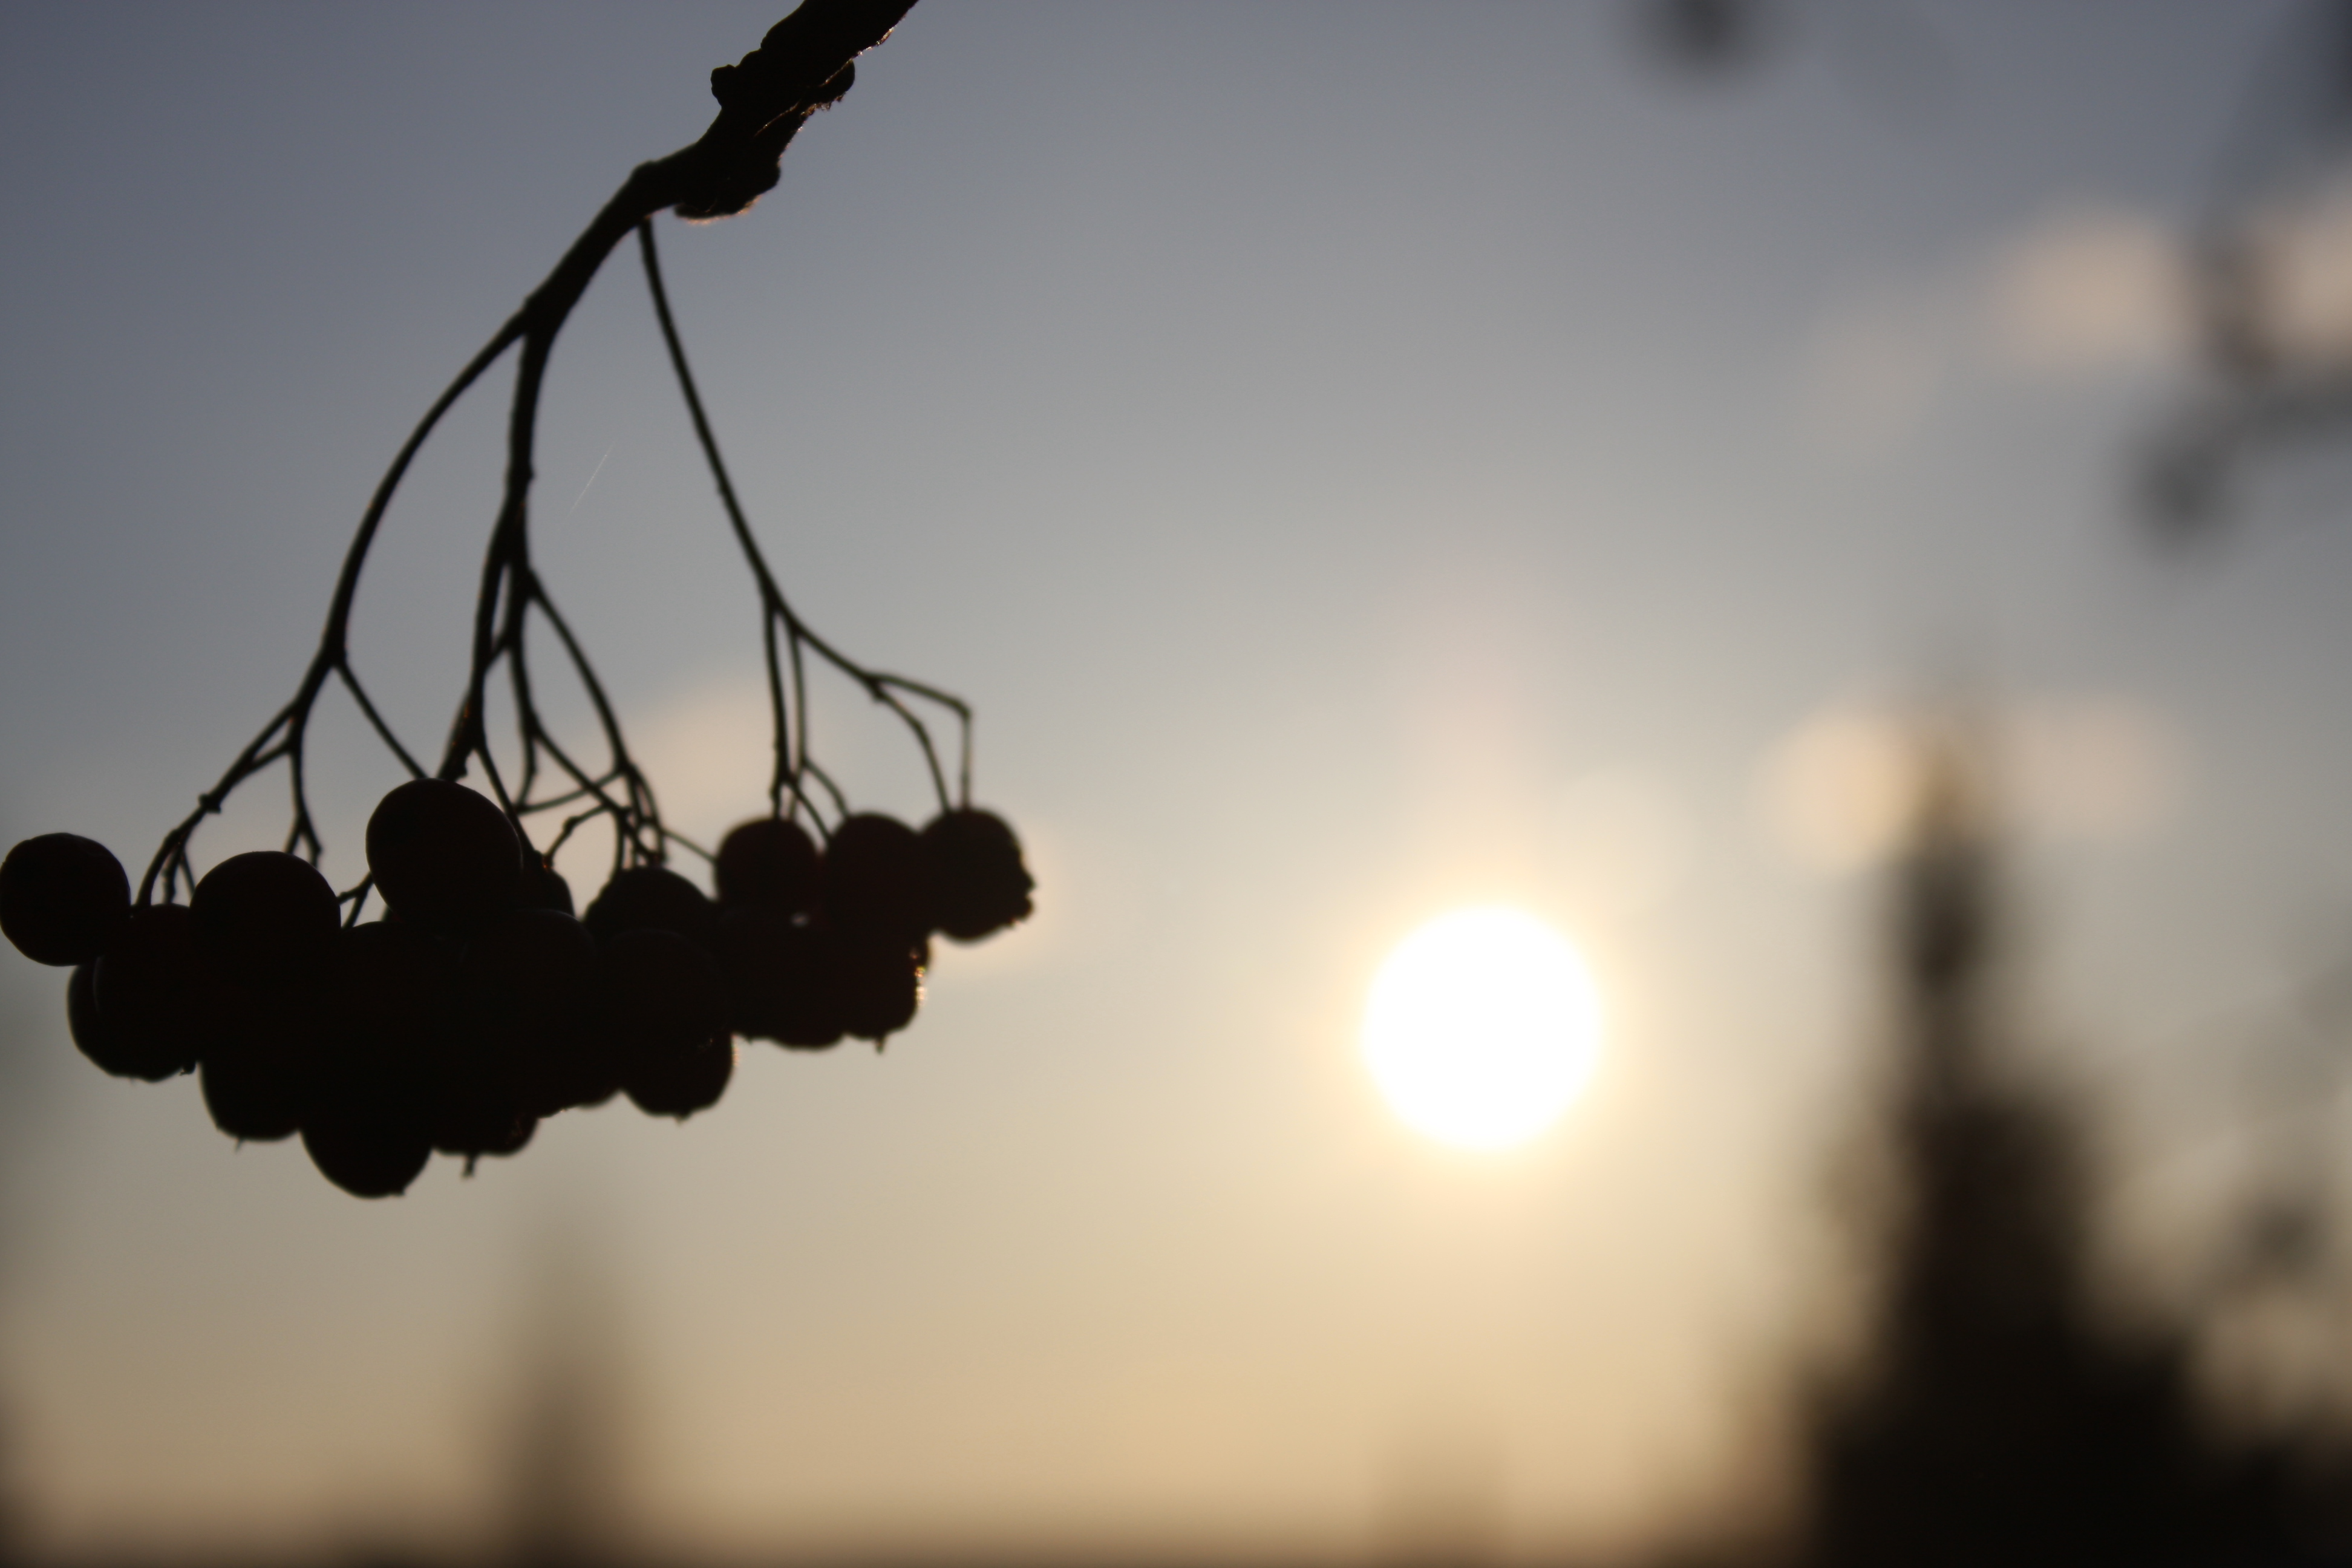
column 1361, row 460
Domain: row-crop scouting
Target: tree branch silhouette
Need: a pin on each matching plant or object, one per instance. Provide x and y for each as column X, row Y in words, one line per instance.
column 805, row 63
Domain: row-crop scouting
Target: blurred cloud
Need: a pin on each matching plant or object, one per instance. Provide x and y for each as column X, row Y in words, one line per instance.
column 2086, row 290
column 1834, row 790
column 2303, row 250
column 2094, row 767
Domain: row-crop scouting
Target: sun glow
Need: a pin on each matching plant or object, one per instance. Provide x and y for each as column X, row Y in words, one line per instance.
column 1481, row 1026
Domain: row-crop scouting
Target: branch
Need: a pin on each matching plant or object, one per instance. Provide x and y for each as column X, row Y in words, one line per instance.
column 802, row 65
column 775, row 609
column 2186, row 474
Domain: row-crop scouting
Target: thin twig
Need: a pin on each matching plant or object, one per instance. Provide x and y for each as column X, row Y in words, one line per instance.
column 802, row 63
column 881, row 688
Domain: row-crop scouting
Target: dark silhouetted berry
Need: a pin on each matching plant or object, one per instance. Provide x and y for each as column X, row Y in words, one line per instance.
column 749, row 952
column 266, row 919
column 584, row 1070
column 395, row 990
column 157, row 1006
column 530, row 965
column 809, row 1016
column 261, row 1076
column 974, row 881
column 770, row 864
column 683, row 1083
column 661, row 992
column 872, row 878
column 478, row 1113
column 543, row 888
column 653, row 897
column 443, row 856
column 529, row 987
column 879, row 984
column 92, row 1038
column 473, row 1043
column 393, row 1019
column 250, row 1099
column 61, row 898
column 369, row 1135
column 780, row 979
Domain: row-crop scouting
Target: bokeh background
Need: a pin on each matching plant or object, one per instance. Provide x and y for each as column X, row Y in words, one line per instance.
column 1360, row 460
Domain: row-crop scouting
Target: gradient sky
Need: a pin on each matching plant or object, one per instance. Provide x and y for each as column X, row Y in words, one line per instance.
column 1361, row 460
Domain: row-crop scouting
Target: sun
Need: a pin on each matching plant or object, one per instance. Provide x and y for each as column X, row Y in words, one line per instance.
column 1481, row 1026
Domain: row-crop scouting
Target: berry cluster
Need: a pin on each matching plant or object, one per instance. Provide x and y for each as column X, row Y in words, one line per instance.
column 478, row 1004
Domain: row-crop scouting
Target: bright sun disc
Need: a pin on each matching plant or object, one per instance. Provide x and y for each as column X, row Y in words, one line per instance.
column 1481, row 1027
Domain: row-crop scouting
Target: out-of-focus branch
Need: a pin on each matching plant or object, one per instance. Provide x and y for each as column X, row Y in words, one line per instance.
column 2187, row 471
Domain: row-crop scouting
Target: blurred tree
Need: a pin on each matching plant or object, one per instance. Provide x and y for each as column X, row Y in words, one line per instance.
column 1995, row 1415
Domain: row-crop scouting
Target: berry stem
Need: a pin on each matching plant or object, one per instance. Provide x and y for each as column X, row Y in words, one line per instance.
column 793, row 738
column 802, row 65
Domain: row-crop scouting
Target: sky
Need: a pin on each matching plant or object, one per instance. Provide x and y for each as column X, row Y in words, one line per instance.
column 1360, row 462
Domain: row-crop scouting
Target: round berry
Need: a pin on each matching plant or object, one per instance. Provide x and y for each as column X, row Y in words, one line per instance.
column 394, row 993
column 266, row 919
column 973, row 880
column 259, row 1078
column 780, row 981
column 157, row 1008
column 583, row 1071
column 529, row 982
column 61, row 897
column 543, row 888
column 443, row 856
column 249, row 1098
column 369, row 1136
column 474, row 1111
column 749, row 950
column 878, row 982
column 652, row 898
column 96, row 1041
column 684, row 1083
column 662, row 995
column 531, row 965
column 872, row 878
column 770, row 864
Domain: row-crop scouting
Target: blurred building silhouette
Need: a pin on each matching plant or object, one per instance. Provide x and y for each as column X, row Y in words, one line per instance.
column 1996, row 1414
